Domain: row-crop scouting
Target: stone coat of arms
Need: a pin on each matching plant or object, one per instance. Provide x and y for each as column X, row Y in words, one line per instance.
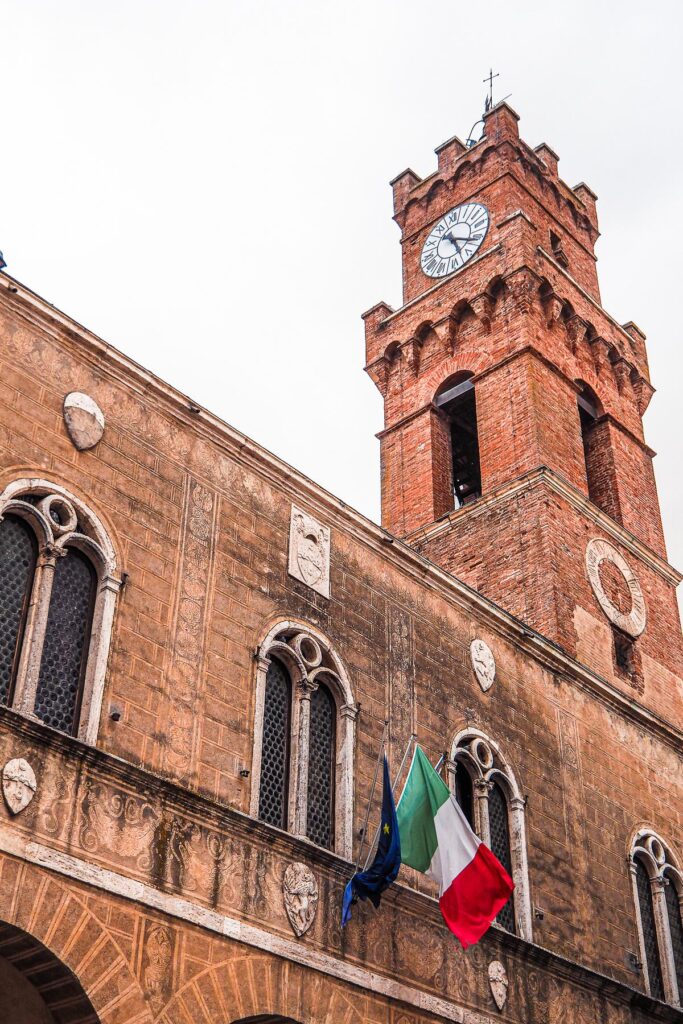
column 309, row 551
column 300, row 895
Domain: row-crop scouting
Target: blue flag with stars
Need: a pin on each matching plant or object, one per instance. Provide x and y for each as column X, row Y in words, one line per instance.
column 371, row 883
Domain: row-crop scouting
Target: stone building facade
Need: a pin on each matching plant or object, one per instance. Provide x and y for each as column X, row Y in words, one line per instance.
column 199, row 648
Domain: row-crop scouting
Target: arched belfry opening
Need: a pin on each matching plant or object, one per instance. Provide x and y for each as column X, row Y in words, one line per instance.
column 457, row 403
column 36, row 987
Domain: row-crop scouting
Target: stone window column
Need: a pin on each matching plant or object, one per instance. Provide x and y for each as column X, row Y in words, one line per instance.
column 305, row 691
column 666, row 955
column 36, row 624
column 482, row 788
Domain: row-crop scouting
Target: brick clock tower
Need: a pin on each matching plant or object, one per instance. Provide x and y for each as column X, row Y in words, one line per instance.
column 512, row 451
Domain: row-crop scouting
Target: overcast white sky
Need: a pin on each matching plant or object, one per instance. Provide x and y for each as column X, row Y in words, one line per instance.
column 205, row 185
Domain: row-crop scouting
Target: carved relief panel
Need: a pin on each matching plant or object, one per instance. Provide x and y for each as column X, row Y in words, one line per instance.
column 309, row 551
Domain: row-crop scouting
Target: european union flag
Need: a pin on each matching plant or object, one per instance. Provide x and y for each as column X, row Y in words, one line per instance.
column 370, row 884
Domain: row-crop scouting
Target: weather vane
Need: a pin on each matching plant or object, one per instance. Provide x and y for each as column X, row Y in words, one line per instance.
column 488, row 104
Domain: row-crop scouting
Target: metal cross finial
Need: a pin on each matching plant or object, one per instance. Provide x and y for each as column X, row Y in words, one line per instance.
column 488, row 103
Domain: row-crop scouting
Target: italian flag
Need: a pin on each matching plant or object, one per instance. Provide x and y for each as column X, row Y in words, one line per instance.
column 437, row 840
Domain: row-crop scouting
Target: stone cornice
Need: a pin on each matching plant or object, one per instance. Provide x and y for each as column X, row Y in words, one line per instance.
column 399, row 554
column 574, row 497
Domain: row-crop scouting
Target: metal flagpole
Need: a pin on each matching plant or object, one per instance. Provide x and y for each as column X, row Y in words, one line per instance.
column 372, row 793
column 396, row 781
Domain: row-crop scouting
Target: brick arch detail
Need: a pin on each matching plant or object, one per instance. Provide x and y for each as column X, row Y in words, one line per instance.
column 263, row 987
column 40, row 904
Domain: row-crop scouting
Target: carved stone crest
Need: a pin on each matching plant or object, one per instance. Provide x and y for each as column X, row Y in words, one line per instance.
column 84, row 420
column 309, row 551
column 633, row 621
column 300, row 894
column 498, row 980
column 483, row 663
column 18, row 784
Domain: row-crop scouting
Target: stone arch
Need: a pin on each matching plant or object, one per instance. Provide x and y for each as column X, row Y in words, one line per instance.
column 263, row 990
column 35, row 983
column 37, row 904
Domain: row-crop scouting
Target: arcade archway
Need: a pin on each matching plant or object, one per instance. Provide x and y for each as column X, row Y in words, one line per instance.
column 36, row 987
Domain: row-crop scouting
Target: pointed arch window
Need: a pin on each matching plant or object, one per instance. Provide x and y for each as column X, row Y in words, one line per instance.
column 487, row 791
column 57, row 594
column 658, row 897
column 303, row 739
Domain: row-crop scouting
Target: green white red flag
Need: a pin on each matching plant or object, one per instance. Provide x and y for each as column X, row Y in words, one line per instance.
column 437, row 840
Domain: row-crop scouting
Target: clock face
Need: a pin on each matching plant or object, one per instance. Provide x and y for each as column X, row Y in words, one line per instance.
column 454, row 240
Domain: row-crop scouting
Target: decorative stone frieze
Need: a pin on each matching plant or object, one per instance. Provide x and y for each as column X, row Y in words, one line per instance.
column 84, row 420
column 300, row 896
column 18, row 784
column 309, row 551
column 498, row 980
column 632, row 622
column 483, row 663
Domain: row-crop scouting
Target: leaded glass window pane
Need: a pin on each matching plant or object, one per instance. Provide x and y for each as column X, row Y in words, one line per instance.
column 500, row 845
column 647, row 920
column 65, row 648
column 464, row 793
column 274, row 785
column 321, row 758
column 18, row 551
column 673, row 907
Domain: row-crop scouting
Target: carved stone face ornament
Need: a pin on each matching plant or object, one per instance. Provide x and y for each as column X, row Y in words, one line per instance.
column 498, row 980
column 300, row 894
column 483, row 663
column 18, row 784
column 84, row 420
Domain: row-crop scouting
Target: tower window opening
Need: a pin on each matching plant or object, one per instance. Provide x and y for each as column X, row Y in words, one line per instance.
column 458, row 405
column 627, row 659
column 589, row 413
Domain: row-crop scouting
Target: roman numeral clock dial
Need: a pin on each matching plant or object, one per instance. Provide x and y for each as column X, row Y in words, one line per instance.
column 454, row 240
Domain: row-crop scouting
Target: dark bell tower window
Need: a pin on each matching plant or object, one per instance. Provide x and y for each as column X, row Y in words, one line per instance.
column 459, row 406
column 589, row 412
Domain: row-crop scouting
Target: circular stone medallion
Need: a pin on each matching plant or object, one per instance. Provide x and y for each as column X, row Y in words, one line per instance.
column 633, row 621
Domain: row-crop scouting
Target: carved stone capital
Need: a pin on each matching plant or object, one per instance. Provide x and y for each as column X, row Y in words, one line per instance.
column 49, row 553
column 350, row 711
column 306, row 688
column 482, row 787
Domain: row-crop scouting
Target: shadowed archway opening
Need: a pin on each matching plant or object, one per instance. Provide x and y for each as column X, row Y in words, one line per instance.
column 265, row 1018
column 36, row 987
